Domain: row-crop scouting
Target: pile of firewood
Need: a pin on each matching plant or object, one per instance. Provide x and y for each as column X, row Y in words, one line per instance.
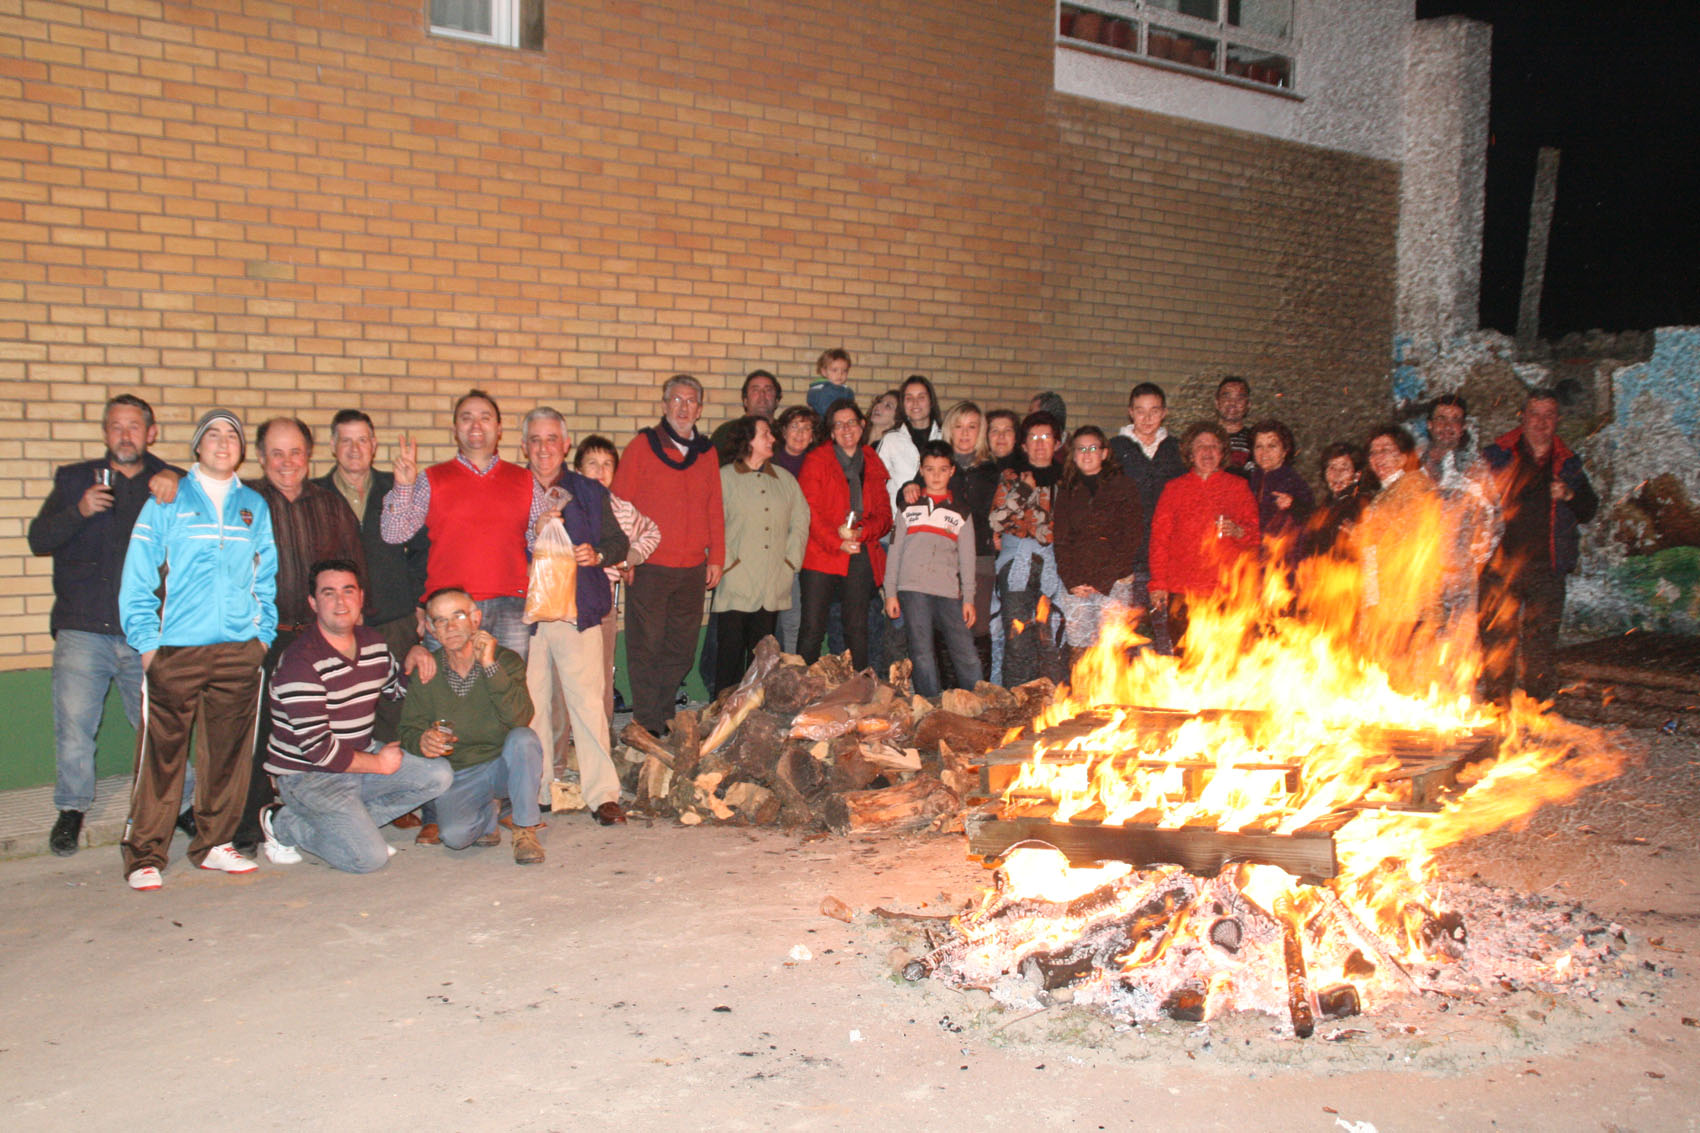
column 825, row 746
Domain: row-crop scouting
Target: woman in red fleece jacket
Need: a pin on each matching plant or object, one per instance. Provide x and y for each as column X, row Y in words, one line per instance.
column 841, row 478
column 1204, row 523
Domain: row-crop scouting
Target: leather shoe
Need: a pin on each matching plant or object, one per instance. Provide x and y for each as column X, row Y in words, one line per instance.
column 428, row 835
column 527, row 849
column 494, row 838
column 610, row 814
column 406, row 821
column 186, row 821
column 67, row 833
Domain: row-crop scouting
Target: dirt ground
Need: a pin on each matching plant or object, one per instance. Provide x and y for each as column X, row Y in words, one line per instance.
column 645, row 975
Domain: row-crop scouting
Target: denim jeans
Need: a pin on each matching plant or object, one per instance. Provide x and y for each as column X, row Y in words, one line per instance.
column 922, row 614
column 336, row 816
column 84, row 667
column 464, row 813
column 790, row 619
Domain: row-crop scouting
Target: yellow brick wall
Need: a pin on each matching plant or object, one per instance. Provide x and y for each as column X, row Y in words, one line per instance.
column 284, row 207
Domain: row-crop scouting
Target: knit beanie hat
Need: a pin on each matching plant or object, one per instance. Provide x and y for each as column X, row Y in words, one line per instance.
column 207, row 419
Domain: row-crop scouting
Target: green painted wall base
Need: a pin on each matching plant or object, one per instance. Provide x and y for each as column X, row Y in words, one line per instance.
column 26, row 699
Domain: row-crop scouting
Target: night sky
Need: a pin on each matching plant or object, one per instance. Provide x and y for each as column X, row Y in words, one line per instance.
column 1616, row 87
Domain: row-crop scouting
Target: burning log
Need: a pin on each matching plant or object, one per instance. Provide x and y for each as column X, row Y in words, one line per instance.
column 1298, row 982
column 1338, row 1002
column 1307, row 854
column 910, row 806
column 1366, row 938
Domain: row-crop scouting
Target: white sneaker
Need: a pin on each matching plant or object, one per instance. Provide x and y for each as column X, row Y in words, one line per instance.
column 225, row 859
column 145, row 879
column 276, row 852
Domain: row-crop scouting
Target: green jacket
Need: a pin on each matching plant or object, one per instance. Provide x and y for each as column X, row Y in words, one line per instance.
column 767, row 525
column 497, row 704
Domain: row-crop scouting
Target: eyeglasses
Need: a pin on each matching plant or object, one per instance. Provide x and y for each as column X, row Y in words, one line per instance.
column 681, row 399
column 1088, row 448
column 456, row 618
column 847, row 423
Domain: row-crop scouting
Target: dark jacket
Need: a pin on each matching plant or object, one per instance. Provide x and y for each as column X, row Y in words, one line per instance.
column 1150, row 473
column 88, row 554
column 1514, row 467
column 1098, row 535
column 395, row 581
column 589, row 518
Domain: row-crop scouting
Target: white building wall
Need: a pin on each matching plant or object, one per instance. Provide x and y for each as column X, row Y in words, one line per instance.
column 1351, row 62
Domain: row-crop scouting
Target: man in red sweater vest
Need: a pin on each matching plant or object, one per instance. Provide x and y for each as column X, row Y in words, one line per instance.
column 669, row 472
column 480, row 512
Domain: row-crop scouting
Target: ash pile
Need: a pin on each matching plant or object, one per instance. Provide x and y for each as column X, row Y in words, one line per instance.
column 1139, row 946
column 823, row 746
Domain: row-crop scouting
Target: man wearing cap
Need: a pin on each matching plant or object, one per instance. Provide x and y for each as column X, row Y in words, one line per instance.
column 197, row 602
column 85, row 525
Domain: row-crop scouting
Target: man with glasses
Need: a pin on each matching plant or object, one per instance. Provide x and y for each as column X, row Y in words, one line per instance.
column 669, row 473
column 474, row 713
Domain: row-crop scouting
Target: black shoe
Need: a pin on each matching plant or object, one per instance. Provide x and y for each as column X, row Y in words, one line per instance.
column 247, row 849
column 67, row 833
column 186, row 821
column 620, row 703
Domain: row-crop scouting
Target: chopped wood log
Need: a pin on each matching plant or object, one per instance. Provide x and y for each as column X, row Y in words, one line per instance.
column 994, row 696
column 956, row 772
column 962, row 702
column 745, row 697
column 756, row 747
column 789, row 688
column 655, row 781
column 962, row 733
column 834, row 669
column 882, row 754
column 900, row 675
column 1629, row 715
column 634, row 735
column 798, row 779
column 703, row 789
column 910, row 806
column 837, row 712
column 684, row 739
column 753, row 803
column 849, row 769
column 1338, row 1002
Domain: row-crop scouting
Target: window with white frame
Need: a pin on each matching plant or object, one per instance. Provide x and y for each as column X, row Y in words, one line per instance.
column 504, row 23
column 1251, row 41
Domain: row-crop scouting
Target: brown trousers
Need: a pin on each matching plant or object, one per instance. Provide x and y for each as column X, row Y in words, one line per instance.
column 212, row 691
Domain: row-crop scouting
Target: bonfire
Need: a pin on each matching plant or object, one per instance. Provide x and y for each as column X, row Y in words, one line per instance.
column 1273, row 761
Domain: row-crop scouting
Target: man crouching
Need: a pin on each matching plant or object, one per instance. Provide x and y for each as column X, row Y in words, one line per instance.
column 473, row 714
column 339, row 787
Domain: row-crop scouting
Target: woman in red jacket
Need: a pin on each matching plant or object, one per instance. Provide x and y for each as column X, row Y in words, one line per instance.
column 1204, row 523
column 849, row 511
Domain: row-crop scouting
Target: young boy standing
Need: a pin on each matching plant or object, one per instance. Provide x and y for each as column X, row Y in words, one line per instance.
column 929, row 575
column 834, row 381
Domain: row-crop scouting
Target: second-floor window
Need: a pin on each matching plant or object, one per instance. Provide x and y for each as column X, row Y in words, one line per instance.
column 1249, row 40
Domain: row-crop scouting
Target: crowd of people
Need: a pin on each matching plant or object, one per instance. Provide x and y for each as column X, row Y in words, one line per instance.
column 357, row 650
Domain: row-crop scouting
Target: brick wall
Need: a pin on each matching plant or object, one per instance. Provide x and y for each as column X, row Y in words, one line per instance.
column 289, row 207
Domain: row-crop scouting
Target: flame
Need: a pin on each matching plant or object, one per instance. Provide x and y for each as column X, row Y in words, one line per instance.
column 1290, row 691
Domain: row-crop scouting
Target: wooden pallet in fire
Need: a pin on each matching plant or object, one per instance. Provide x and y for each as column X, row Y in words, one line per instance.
column 1428, row 765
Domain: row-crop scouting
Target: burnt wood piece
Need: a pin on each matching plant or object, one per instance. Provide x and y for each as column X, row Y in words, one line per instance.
column 1630, row 715
column 1338, row 1002
column 1298, row 982
column 1307, row 854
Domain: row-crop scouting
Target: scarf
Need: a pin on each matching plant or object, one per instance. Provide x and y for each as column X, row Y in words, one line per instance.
column 694, row 445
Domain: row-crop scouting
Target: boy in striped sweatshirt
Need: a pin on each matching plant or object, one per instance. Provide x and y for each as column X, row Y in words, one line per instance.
column 929, row 575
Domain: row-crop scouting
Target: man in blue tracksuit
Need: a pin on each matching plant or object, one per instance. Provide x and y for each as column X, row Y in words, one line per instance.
column 210, row 552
